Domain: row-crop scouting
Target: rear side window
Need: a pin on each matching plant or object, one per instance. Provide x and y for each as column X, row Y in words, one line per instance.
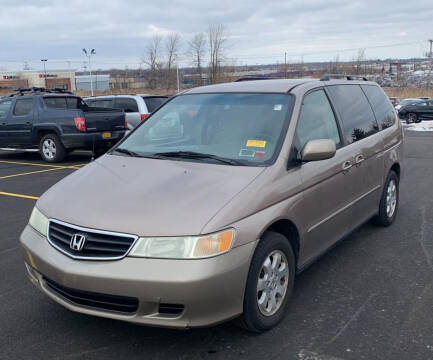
column 62, row 102
column 23, row 106
column 105, row 103
column 316, row 121
column 126, row 104
column 358, row 118
column 4, row 107
column 154, row 103
column 383, row 110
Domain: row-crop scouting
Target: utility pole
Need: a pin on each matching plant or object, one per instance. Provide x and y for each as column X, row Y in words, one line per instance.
column 45, row 72
column 285, row 65
column 70, row 75
column 89, row 54
column 430, row 65
column 177, row 77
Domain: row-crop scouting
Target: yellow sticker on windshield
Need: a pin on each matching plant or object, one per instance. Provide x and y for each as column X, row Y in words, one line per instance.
column 256, row 143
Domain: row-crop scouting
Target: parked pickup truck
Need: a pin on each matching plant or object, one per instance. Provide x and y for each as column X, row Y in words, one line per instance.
column 57, row 122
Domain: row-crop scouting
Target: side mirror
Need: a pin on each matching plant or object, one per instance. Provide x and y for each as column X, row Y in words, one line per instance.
column 315, row 150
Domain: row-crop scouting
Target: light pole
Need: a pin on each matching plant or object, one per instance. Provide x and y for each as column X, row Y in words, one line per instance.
column 89, row 54
column 45, row 72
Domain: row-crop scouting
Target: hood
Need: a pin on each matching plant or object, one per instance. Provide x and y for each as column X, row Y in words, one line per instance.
column 146, row 197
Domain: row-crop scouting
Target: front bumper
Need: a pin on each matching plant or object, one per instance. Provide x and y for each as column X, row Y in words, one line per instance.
column 87, row 140
column 211, row 290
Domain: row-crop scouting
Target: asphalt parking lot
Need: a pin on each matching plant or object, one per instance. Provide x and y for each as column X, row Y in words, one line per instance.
column 371, row 297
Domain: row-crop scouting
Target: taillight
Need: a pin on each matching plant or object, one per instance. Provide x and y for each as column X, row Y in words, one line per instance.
column 126, row 122
column 144, row 116
column 80, row 123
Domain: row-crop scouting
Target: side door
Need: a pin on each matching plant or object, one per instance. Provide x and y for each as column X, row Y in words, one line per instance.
column 130, row 106
column 362, row 136
column 421, row 109
column 429, row 110
column 327, row 184
column 20, row 121
column 5, row 107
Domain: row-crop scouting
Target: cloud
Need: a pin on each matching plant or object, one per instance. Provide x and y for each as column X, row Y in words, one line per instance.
column 259, row 31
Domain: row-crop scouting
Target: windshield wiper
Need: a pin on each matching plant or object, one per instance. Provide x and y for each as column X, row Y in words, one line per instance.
column 197, row 155
column 127, row 152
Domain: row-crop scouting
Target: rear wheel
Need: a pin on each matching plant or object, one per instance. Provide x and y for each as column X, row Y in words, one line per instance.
column 389, row 202
column 51, row 148
column 270, row 283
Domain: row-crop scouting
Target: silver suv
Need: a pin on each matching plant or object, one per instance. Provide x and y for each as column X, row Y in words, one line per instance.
column 208, row 209
column 137, row 107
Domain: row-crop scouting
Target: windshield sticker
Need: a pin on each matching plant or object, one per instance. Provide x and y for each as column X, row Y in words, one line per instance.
column 247, row 152
column 278, row 107
column 259, row 154
column 256, row 143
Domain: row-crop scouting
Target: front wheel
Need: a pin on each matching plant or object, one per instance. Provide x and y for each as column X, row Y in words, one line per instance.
column 411, row 118
column 270, row 283
column 51, row 148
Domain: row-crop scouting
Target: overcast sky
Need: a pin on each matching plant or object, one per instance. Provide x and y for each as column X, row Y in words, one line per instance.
column 260, row 30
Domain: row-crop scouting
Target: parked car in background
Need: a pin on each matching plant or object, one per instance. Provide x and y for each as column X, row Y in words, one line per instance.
column 136, row 107
column 57, row 122
column 208, row 210
column 405, row 102
column 416, row 112
column 394, row 101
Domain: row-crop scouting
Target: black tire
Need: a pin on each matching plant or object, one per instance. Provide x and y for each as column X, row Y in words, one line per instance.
column 59, row 151
column 412, row 118
column 252, row 318
column 383, row 218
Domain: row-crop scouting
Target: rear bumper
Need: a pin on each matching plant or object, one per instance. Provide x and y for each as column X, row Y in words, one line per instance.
column 86, row 141
column 210, row 290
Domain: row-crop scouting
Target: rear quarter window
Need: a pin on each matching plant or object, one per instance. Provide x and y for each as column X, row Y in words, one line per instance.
column 355, row 111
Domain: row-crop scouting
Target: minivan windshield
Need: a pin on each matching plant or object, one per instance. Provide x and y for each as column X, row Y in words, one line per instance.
column 229, row 128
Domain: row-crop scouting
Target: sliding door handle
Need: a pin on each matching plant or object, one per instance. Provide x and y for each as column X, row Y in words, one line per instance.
column 359, row 159
column 346, row 166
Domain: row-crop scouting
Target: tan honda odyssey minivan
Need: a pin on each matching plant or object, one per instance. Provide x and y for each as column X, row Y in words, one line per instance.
column 207, row 210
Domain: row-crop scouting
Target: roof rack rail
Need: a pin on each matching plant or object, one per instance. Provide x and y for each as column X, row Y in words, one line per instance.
column 38, row 90
column 251, row 78
column 328, row 77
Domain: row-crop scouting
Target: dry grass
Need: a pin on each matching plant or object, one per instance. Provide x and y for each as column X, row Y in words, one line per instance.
column 404, row 93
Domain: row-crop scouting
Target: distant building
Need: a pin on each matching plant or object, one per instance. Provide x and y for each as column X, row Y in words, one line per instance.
column 64, row 79
column 100, row 82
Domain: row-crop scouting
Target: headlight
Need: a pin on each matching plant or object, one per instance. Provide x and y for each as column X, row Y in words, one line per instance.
column 39, row 221
column 185, row 247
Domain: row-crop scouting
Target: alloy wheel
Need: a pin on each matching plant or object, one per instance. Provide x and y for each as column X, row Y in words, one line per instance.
column 272, row 283
column 49, row 149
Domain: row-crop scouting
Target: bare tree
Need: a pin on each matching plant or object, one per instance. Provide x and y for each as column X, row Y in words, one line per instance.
column 217, row 39
column 151, row 58
column 196, row 50
column 359, row 60
column 172, row 48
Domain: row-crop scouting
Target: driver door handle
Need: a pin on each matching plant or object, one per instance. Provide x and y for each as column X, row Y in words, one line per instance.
column 359, row 159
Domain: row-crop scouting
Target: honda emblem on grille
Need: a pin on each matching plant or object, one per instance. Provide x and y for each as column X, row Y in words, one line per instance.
column 77, row 242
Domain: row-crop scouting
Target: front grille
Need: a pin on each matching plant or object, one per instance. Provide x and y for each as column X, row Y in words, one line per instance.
column 123, row 304
column 98, row 245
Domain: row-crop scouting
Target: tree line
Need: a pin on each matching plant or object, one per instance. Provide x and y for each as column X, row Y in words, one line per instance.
column 205, row 52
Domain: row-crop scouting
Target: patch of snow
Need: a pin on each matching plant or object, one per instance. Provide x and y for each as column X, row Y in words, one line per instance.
column 422, row 126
